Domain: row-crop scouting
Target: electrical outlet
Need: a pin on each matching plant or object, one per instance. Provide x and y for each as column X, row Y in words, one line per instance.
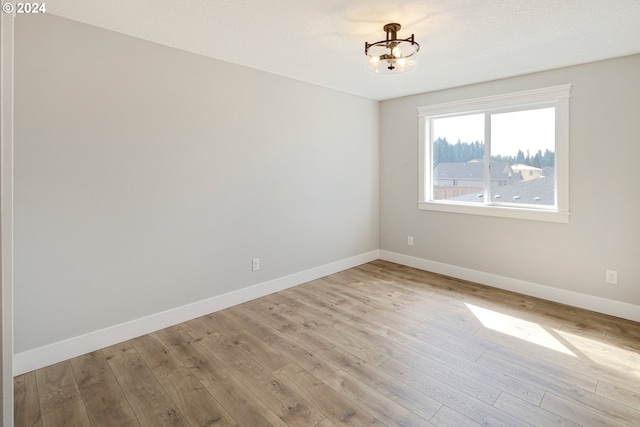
column 410, row 240
column 611, row 277
column 255, row 264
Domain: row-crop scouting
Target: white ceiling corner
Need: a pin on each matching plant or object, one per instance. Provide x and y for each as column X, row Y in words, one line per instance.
column 322, row 42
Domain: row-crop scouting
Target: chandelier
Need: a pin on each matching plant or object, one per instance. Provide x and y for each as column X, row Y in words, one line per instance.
column 393, row 55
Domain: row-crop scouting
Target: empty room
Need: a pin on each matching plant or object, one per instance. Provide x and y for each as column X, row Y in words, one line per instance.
column 400, row 213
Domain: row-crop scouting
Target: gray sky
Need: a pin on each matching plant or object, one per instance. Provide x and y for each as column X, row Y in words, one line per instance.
column 531, row 130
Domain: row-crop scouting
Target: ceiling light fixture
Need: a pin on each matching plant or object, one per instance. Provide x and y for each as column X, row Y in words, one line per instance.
column 393, row 55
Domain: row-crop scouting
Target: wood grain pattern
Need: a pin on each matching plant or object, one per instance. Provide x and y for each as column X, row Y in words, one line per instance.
column 192, row 399
column 244, row 406
column 337, row 408
column 103, row 398
column 71, row 414
column 379, row 344
column 375, row 403
column 142, row 389
column 27, row 404
column 190, row 396
column 57, row 387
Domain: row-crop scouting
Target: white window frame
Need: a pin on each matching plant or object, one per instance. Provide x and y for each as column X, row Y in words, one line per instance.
column 556, row 96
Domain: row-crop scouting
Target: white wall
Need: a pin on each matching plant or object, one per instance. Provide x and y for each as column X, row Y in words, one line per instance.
column 604, row 229
column 147, row 178
column 6, row 219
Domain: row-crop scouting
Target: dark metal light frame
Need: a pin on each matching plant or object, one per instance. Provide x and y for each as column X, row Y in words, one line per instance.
column 393, row 51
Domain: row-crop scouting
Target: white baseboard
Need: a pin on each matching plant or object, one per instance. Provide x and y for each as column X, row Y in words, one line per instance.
column 53, row 353
column 575, row 299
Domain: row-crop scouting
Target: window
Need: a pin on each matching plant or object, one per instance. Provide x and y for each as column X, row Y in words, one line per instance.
column 504, row 155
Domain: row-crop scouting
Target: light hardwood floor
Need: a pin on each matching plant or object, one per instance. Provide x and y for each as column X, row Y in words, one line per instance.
column 379, row 344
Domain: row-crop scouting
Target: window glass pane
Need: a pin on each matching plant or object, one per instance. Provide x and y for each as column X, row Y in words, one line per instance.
column 523, row 157
column 458, row 152
column 520, row 157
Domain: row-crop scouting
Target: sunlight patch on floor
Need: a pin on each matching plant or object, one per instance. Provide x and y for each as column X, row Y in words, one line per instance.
column 518, row 328
column 611, row 356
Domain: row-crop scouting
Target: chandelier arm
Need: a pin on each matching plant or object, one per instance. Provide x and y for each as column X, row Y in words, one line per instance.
column 392, row 53
column 386, row 43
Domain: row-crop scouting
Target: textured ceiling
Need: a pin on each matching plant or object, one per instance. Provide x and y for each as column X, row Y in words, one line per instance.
column 322, row 41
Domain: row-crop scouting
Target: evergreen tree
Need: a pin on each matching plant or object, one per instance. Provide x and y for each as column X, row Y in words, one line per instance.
column 548, row 159
column 462, row 152
column 537, row 160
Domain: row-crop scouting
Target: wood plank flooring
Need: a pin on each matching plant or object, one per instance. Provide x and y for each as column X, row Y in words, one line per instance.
column 376, row 345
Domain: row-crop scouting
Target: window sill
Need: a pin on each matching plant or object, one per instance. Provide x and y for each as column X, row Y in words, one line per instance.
column 497, row 211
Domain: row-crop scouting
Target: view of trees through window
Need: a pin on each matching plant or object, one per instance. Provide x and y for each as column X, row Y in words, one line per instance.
column 503, row 155
column 522, row 157
column 461, row 152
